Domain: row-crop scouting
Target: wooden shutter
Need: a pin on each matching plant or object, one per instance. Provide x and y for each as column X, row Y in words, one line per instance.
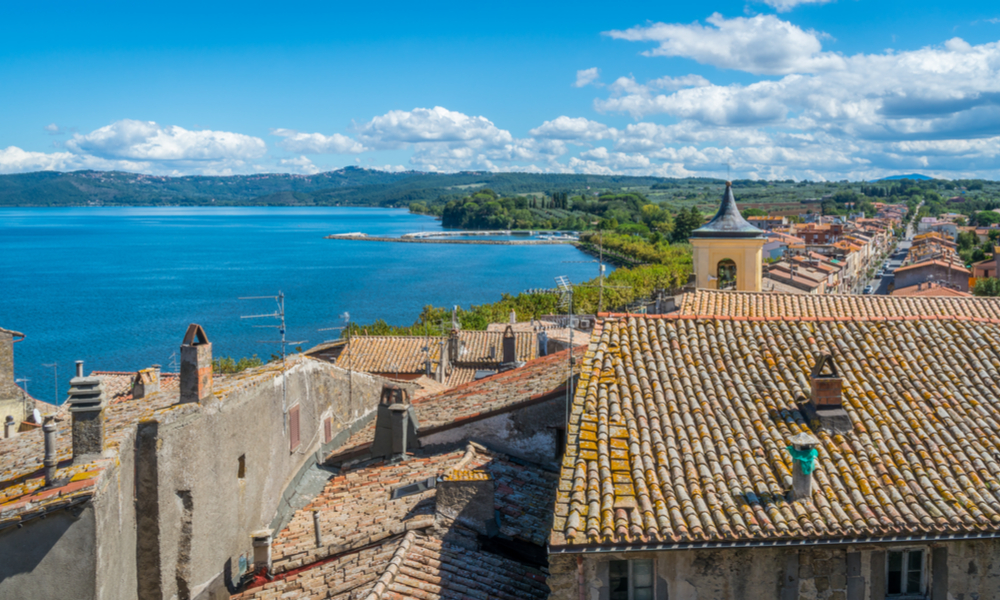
column 327, row 430
column 293, row 426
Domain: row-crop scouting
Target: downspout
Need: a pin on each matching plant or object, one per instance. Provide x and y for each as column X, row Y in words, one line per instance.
column 579, row 577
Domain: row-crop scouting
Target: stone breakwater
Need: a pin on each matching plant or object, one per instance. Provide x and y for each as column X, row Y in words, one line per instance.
column 365, row 238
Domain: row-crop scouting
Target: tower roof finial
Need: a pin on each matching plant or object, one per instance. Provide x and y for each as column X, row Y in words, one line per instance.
column 728, row 222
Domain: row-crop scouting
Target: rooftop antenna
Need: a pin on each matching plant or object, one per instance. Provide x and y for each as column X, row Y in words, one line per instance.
column 55, row 381
column 25, row 381
column 346, row 318
column 280, row 315
column 565, row 290
column 173, row 362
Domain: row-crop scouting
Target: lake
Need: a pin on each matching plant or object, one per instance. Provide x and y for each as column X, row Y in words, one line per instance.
column 117, row 287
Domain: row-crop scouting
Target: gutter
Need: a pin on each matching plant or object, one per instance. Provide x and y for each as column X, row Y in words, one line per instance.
column 659, row 547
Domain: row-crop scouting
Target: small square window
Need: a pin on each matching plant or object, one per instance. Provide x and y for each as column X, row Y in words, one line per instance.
column 631, row 579
column 904, row 577
column 241, row 471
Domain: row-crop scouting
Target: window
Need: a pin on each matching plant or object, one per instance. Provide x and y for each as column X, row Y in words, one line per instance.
column 327, row 430
column 904, row 577
column 631, row 579
column 293, row 427
column 726, row 273
column 242, row 469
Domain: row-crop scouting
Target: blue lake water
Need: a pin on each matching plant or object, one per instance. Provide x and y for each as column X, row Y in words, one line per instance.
column 117, row 287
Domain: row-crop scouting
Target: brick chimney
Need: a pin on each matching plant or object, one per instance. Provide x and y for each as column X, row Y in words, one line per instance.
column 467, row 497
column 86, row 405
column 826, row 388
column 196, row 365
column 146, row 382
column 395, row 425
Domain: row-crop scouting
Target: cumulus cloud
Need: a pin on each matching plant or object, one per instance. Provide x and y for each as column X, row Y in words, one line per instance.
column 430, row 125
column 586, row 77
column 787, row 5
column 299, row 164
column 570, row 128
column 148, row 141
column 762, row 45
column 317, row 143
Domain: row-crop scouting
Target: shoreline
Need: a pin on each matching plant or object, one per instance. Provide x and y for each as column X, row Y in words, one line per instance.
column 365, row 238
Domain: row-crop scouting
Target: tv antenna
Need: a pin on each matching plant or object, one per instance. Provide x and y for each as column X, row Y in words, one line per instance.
column 173, row 362
column 55, row 382
column 346, row 318
column 25, row 381
column 280, row 315
column 565, row 291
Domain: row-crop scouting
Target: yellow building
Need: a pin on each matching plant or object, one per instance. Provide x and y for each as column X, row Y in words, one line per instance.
column 728, row 251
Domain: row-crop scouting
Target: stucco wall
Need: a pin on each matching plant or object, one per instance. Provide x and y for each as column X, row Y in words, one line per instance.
column 11, row 398
column 114, row 513
column 934, row 272
column 962, row 570
column 526, row 433
column 194, row 504
column 50, row 558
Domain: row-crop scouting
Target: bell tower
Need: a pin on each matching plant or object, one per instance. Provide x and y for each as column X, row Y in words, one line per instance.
column 728, row 251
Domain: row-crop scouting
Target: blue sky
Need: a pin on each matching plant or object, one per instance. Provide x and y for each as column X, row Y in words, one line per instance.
column 843, row 89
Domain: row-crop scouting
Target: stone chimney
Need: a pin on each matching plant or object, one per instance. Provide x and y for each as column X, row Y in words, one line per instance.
column 9, row 427
column 146, row 382
column 395, row 425
column 804, row 453
column 543, row 343
column 196, row 366
column 513, row 316
column 86, row 406
column 509, row 346
column 467, row 497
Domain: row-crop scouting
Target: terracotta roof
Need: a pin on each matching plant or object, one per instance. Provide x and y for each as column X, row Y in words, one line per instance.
column 390, row 354
column 411, row 567
column 712, row 303
column 477, row 345
column 934, row 290
column 956, row 266
column 473, row 399
column 356, row 508
column 680, row 426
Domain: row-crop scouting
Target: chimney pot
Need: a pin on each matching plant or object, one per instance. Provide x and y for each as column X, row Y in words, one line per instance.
column 196, row 366
column 49, row 462
column 804, row 453
column 146, row 382
column 9, row 427
column 395, row 425
column 509, row 346
column 79, row 368
column 826, row 389
column 262, row 551
column 468, row 498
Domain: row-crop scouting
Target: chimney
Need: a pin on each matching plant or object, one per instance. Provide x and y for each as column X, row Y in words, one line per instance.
column 196, row 365
column 49, row 462
column 86, row 406
column 543, row 343
column 509, row 346
column 9, row 427
column 804, row 453
column 826, row 389
column 467, row 497
column 395, row 425
column 513, row 317
column 146, row 382
column 262, row 551
column 79, row 368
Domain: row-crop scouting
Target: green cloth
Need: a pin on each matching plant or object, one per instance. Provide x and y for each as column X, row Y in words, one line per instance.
column 806, row 457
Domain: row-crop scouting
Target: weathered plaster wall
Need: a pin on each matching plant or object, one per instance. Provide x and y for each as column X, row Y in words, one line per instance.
column 114, row 512
column 50, row 558
column 527, row 432
column 11, row 398
column 194, row 503
column 966, row 570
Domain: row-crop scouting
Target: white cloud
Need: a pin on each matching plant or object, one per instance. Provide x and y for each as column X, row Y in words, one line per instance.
column 317, row 143
column 586, row 77
column 787, row 5
column 299, row 164
column 434, row 125
column 763, row 45
column 148, row 141
column 572, row 128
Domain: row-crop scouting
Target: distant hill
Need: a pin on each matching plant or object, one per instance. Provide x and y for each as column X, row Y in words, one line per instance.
column 911, row 176
column 348, row 186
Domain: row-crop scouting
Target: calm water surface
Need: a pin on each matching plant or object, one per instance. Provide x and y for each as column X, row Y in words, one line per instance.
column 117, row 287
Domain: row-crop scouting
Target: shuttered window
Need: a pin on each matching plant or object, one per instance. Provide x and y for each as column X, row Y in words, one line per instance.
column 293, row 427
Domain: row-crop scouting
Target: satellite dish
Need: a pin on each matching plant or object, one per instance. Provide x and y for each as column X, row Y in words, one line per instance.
column 37, row 416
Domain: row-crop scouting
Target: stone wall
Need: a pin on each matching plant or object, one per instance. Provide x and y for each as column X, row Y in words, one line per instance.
column 11, row 398
column 196, row 512
column 961, row 570
column 528, row 432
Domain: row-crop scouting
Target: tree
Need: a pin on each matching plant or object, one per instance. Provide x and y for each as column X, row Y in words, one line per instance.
column 687, row 221
column 989, row 286
column 966, row 240
column 987, row 217
column 754, row 212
